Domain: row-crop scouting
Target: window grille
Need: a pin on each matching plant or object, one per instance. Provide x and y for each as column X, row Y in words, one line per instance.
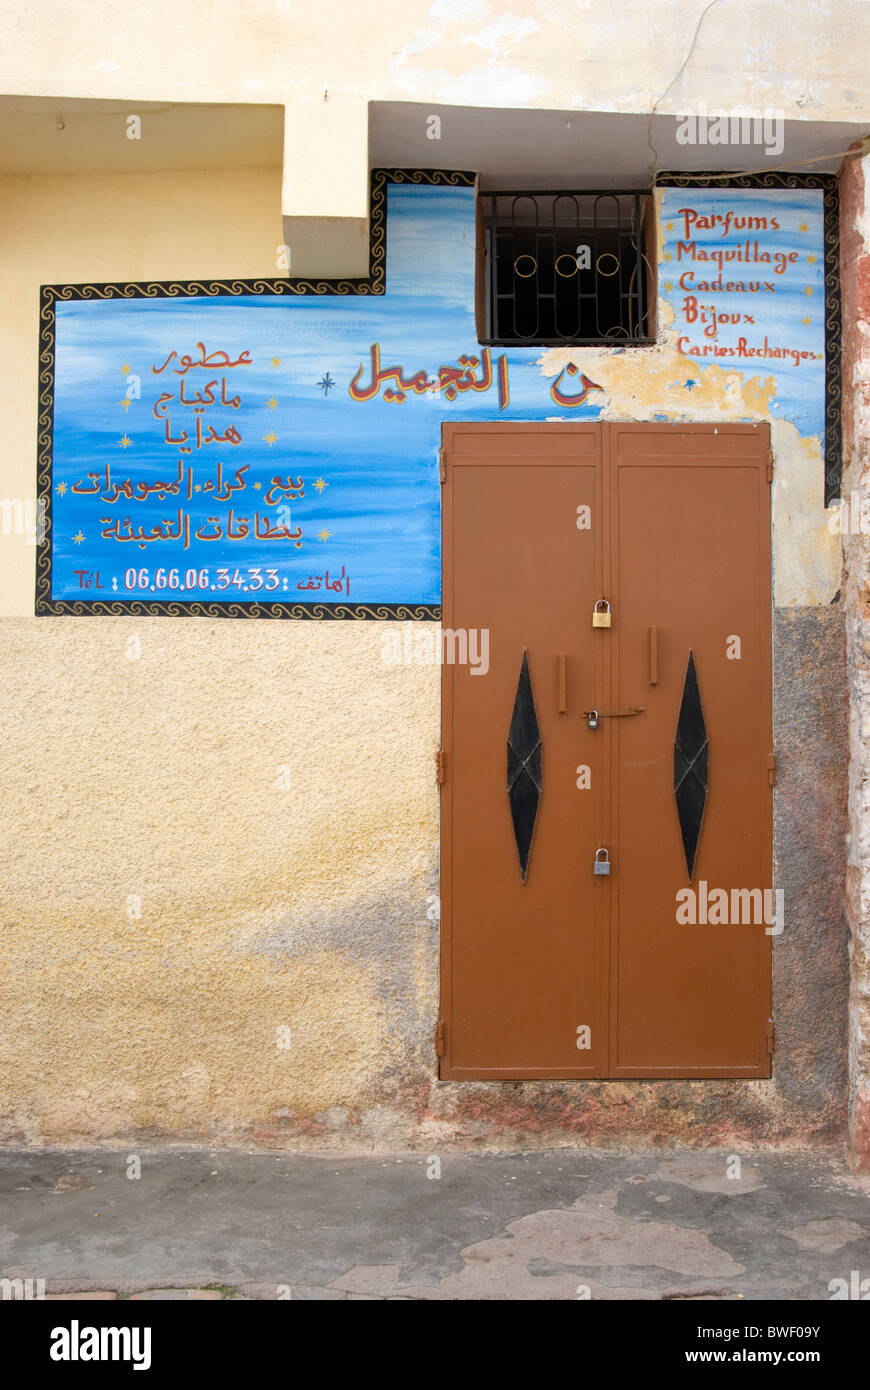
column 561, row 267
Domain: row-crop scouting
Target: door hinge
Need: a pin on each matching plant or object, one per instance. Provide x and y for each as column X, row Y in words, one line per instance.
column 770, row 1036
column 770, row 465
column 442, row 466
column 440, row 765
column 440, row 1046
column 771, row 769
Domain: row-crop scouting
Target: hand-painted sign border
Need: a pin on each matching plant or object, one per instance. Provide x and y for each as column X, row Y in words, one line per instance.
column 374, row 284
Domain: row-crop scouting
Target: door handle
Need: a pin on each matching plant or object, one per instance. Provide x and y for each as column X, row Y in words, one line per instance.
column 592, row 716
column 561, row 682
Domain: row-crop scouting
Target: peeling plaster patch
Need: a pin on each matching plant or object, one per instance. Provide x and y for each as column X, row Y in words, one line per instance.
column 828, row 1235
column 441, row 15
column 447, row 32
column 807, row 558
column 862, row 218
column 443, row 12
column 636, row 387
column 807, row 554
column 506, row 30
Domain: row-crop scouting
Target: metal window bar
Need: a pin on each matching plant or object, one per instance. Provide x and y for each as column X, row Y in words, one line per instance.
column 531, row 244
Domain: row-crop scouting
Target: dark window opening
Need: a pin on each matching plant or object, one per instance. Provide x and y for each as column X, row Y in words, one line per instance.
column 559, row 268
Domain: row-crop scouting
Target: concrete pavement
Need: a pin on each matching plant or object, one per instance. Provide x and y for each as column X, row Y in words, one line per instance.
column 562, row 1224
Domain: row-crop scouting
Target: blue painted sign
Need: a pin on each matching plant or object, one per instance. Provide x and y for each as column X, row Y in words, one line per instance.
column 744, row 272
column 262, row 455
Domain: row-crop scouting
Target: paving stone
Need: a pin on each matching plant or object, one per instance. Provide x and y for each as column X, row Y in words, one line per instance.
column 265, row 1292
column 152, row 1295
column 82, row 1297
column 303, row 1293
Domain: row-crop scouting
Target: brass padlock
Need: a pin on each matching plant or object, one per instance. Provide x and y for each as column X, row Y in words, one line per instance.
column 600, row 619
column 602, row 866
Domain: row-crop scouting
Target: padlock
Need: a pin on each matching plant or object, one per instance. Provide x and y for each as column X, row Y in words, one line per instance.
column 592, row 718
column 602, row 866
column 600, row 619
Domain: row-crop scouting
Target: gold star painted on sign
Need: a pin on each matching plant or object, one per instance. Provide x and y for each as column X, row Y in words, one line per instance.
column 811, row 259
column 272, row 403
column 126, row 369
column 256, row 486
column 125, row 402
column 197, row 487
column 271, row 438
column 79, row 537
column 667, row 256
column 669, row 285
column 320, row 484
column 125, row 441
column 61, row 489
column 669, row 226
column 806, row 321
column 808, row 291
column 275, row 363
column 804, row 227
column 324, row 536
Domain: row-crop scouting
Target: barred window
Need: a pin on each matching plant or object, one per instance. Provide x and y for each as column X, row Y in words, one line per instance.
column 557, row 267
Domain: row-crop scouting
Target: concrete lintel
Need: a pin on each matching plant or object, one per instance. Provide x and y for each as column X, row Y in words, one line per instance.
column 325, row 188
column 326, row 247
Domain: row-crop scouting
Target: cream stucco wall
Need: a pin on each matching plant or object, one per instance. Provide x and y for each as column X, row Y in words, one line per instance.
column 229, row 834
column 324, row 62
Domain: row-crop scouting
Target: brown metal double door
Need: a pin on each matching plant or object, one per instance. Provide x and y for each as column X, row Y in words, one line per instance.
column 550, row 969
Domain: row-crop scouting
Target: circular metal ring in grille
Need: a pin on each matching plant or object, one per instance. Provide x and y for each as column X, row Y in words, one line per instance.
column 525, row 274
column 572, row 261
column 607, row 256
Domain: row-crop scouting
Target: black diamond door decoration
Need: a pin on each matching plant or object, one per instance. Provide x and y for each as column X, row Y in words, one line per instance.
column 524, row 766
column 690, row 765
